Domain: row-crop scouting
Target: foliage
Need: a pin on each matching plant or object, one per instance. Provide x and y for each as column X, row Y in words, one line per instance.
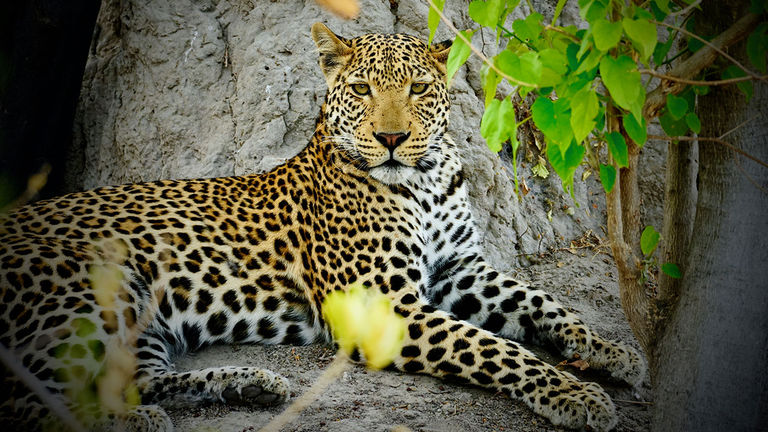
column 576, row 74
column 582, row 78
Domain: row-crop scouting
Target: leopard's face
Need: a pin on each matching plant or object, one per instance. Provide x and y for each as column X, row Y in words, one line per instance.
column 387, row 105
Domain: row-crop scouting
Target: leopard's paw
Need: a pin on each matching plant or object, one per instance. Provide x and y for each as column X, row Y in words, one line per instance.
column 251, row 386
column 582, row 405
column 621, row 361
column 143, row 418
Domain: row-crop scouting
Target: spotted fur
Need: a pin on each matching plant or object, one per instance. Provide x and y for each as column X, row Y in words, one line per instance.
column 377, row 197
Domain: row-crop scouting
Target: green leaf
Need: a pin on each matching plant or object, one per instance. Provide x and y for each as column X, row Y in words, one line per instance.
column 638, row 132
column 584, row 109
column 671, row 270
column 433, row 19
column 640, row 13
column 606, row 34
column 607, row 177
column 528, row 28
column 757, row 46
column 589, row 62
column 554, row 67
column 693, row 122
column 486, row 13
column 622, row 79
column 661, row 50
column 662, row 4
column 83, row 326
column 643, row 35
column 649, row 240
column 554, row 121
column 490, row 81
column 618, row 148
column 676, row 106
column 565, row 161
column 458, row 55
column 525, row 68
column 498, row 123
column 574, row 85
column 673, row 127
column 558, row 9
column 700, row 90
column 746, row 87
column 591, row 10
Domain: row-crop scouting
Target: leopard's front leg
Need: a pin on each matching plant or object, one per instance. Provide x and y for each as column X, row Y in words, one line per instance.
column 473, row 291
column 440, row 345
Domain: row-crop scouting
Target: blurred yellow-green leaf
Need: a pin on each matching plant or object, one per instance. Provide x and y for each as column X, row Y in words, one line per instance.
column 364, row 319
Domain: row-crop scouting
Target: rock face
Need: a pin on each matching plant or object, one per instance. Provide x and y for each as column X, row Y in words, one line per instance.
column 204, row 88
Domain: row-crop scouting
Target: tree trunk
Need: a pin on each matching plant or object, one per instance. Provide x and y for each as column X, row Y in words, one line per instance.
column 679, row 211
column 713, row 356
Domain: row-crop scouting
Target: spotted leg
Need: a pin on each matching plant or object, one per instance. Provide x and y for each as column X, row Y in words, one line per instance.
column 439, row 345
column 473, row 291
column 159, row 384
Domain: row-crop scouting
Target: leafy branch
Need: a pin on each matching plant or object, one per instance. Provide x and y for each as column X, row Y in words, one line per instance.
column 714, row 47
column 466, row 42
column 593, row 108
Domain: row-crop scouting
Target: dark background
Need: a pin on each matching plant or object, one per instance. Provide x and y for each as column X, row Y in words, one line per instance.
column 43, row 49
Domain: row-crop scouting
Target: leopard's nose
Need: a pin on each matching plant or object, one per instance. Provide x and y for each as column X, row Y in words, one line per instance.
column 391, row 140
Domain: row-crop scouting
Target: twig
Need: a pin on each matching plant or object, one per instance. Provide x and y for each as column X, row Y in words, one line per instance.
column 561, row 31
column 711, row 45
column 633, row 402
column 51, row 402
column 337, row 366
column 735, row 128
column 685, row 11
column 712, row 139
column 698, row 82
column 475, row 50
column 698, row 61
column 749, row 177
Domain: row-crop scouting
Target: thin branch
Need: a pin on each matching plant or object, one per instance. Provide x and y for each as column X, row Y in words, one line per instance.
column 475, row 50
column 331, row 373
column 749, row 177
column 712, row 139
column 711, row 45
column 698, row 61
column 54, row 404
column 561, row 31
column 633, row 402
column 735, row 128
column 698, row 82
column 685, row 10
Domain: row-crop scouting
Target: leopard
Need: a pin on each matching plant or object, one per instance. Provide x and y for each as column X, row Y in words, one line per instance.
column 377, row 198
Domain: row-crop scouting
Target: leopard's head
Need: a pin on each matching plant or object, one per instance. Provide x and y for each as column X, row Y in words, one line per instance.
column 387, row 104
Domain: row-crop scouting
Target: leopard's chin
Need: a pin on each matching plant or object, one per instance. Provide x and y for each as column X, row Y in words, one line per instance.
column 392, row 174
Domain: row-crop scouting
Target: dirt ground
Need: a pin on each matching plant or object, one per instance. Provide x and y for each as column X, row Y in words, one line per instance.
column 363, row 400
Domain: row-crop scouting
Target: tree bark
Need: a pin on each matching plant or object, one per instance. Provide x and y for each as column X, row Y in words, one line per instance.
column 713, row 356
column 679, row 210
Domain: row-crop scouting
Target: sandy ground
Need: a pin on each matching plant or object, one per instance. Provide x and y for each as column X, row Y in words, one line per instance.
column 363, row 400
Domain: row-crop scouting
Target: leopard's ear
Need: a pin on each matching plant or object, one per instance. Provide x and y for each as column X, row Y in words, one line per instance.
column 440, row 52
column 334, row 50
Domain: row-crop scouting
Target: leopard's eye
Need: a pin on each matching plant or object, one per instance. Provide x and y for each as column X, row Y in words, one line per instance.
column 418, row 88
column 361, row 89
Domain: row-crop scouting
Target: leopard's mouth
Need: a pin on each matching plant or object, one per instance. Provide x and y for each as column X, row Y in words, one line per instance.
column 392, row 163
column 391, row 172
